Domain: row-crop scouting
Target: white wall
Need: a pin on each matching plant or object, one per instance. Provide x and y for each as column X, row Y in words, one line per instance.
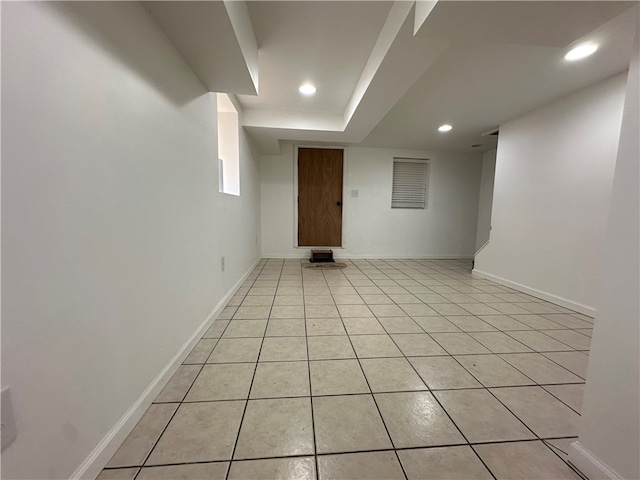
column 554, row 172
column 485, row 199
column 610, row 428
column 447, row 228
column 112, row 224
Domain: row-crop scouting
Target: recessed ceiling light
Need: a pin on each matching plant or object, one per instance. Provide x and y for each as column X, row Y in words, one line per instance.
column 581, row 51
column 307, row 89
column 445, row 128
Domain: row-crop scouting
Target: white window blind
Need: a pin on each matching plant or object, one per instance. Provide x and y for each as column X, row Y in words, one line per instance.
column 410, row 183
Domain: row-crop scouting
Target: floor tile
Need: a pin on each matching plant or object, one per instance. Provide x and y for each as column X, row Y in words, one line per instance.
column 287, row 311
column 277, row 349
column 567, row 321
column 418, row 310
column 448, row 309
column 470, row 323
column 492, row 371
column 417, row 345
column 524, row 461
column 319, row 300
column 288, row 300
column 230, row 350
column 216, row 330
column 177, row 387
column 504, row 322
column 330, row 347
column 249, row 313
column 257, row 301
column 540, row 369
column 227, row 313
column 499, row 342
column 436, row 324
column 400, row 325
column 575, row 362
column 285, row 327
column 225, row 381
column 386, row 311
column 297, row 468
column 366, row 465
column 377, row 300
column 325, row 326
column 276, row 428
column 348, row 423
column 369, row 346
column 337, row 377
column 444, row 463
column 415, row 419
column 440, row 373
column 199, row 432
column 571, row 395
column 391, row 375
column 570, row 337
column 138, row 444
column 118, row 474
column 200, row 352
column 281, row 379
column 245, row 328
column 537, row 322
column 363, row 326
column 212, row 471
column 540, row 411
column 509, row 309
column 481, row 417
column 343, row 290
column 459, row 343
column 354, row 311
column 348, row 300
column 404, row 299
column 321, row 311
column 479, row 309
column 539, row 342
column 289, row 290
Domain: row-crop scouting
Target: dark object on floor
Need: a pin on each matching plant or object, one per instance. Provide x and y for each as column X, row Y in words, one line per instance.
column 321, row 256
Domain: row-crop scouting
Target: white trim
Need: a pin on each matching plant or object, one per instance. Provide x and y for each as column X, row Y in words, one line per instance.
column 563, row 302
column 343, row 240
column 481, row 248
column 590, row 465
column 367, row 256
column 100, row 455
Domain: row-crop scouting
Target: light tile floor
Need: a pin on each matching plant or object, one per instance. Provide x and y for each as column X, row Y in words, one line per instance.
column 384, row 369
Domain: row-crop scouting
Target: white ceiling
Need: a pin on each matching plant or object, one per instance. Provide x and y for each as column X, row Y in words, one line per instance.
column 387, row 77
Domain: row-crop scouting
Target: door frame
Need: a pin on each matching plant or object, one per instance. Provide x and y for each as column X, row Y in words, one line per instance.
column 343, row 240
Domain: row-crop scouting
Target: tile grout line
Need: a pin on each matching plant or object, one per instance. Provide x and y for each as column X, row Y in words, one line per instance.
column 246, row 404
column 306, row 340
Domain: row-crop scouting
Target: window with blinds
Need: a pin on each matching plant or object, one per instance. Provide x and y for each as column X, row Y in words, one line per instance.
column 410, row 183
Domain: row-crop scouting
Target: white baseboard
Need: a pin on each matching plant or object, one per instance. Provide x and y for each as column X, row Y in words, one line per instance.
column 338, row 255
column 102, row 453
column 589, row 465
column 563, row 302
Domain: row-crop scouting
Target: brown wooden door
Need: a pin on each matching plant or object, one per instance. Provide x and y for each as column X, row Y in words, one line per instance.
column 319, row 197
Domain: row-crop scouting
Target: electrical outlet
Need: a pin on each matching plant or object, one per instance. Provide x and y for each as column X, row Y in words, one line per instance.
column 8, row 420
column 222, row 264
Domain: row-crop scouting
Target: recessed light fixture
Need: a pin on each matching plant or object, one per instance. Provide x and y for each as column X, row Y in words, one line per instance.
column 307, row 89
column 445, row 128
column 581, row 51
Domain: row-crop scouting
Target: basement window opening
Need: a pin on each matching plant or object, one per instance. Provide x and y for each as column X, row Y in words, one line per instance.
column 410, row 183
column 228, row 146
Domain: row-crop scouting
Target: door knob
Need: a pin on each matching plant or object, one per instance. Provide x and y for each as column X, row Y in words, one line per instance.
column 339, row 204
